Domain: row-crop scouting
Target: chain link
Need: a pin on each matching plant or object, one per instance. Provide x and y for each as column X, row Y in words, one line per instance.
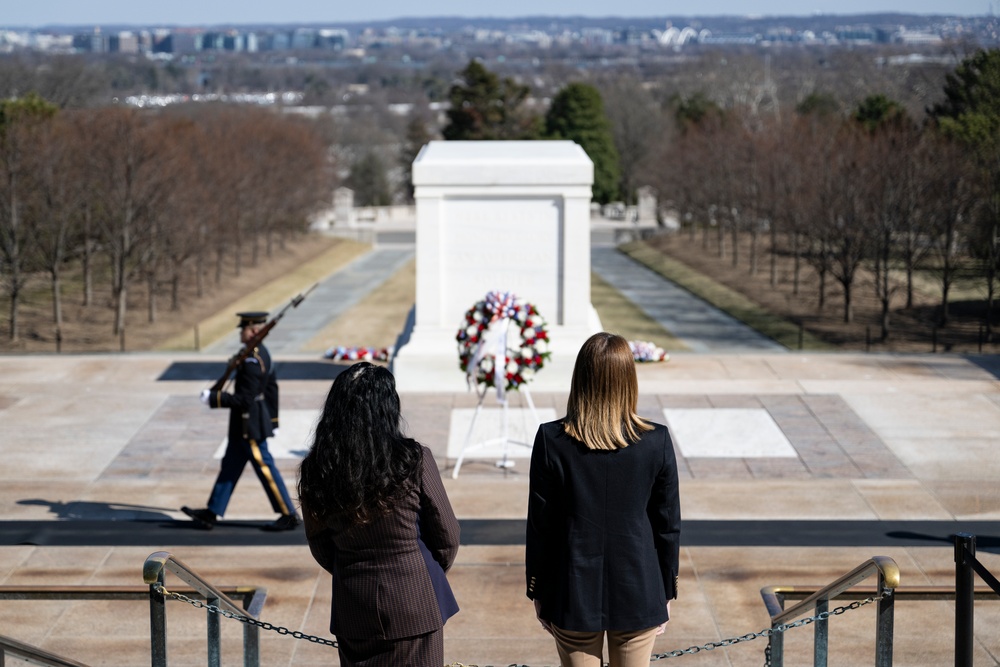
column 691, row 650
column 769, row 632
column 244, row 619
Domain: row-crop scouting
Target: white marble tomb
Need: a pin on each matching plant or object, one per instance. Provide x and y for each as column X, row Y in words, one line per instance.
column 498, row 215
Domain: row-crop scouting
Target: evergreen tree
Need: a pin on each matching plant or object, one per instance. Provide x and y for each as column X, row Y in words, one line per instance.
column 970, row 111
column 417, row 137
column 485, row 107
column 970, row 115
column 369, row 181
column 819, row 104
column 878, row 111
column 577, row 114
column 694, row 110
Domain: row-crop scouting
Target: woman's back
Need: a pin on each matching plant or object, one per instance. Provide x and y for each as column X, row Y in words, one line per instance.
column 610, row 528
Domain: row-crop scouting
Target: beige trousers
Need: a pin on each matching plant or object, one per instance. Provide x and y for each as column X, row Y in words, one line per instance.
column 585, row 649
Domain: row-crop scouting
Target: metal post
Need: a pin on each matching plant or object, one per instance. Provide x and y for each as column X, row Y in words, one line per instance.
column 801, row 335
column 251, row 639
column 214, row 634
column 934, row 338
column 965, row 548
column 884, row 625
column 868, row 339
column 157, row 625
column 821, row 630
column 776, row 643
column 251, row 645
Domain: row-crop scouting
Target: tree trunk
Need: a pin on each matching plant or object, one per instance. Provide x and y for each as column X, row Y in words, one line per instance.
column 736, row 240
column 848, row 305
column 774, row 256
column 796, row 264
column 151, row 296
column 56, row 298
column 218, row 266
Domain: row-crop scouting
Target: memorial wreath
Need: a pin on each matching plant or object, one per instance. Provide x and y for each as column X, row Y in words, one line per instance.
column 510, row 363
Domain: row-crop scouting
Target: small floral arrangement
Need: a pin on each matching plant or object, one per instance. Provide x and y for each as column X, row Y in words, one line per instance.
column 524, row 357
column 343, row 353
column 643, row 351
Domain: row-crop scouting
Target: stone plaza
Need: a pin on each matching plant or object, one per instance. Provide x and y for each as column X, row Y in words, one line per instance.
column 795, row 468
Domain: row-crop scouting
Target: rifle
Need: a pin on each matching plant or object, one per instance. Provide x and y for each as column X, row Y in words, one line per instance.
column 247, row 350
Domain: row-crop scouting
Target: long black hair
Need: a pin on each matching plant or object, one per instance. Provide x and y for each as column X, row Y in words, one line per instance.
column 360, row 463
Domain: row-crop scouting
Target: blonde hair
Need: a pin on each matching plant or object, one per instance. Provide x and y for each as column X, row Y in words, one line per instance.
column 603, row 395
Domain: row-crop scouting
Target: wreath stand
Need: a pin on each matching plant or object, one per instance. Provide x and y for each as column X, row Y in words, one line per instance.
column 504, row 438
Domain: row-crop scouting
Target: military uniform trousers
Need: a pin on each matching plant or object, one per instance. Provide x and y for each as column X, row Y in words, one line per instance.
column 237, row 455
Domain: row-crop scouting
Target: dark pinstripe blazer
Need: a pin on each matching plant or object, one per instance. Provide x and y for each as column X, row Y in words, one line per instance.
column 389, row 575
column 603, row 531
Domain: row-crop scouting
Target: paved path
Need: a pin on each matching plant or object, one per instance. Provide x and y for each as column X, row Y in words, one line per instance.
column 329, row 300
column 699, row 325
column 702, row 327
column 878, row 455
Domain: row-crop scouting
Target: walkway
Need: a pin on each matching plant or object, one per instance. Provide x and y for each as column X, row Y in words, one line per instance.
column 794, row 469
column 699, row 325
column 329, row 300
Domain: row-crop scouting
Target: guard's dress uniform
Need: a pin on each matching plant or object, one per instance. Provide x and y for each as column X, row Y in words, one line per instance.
column 253, row 416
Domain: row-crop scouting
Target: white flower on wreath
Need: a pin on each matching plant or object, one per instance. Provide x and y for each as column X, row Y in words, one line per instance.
column 512, row 366
column 527, row 374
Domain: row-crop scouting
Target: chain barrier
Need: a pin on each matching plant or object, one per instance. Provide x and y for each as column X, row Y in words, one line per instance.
column 691, row 650
column 769, row 632
column 242, row 618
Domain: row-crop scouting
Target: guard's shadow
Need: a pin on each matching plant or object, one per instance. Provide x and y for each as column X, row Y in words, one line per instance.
column 82, row 510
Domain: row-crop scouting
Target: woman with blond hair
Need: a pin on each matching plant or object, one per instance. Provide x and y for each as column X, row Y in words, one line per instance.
column 603, row 516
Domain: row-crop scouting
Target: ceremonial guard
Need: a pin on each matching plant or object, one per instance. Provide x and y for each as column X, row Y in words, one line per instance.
column 253, row 418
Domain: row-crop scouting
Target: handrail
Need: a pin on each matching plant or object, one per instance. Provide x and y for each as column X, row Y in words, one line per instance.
column 877, row 565
column 252, row 597
column 33, row 654
column 153, row 573
column 887, row 572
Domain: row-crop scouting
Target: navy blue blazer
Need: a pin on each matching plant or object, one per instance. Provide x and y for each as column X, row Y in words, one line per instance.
column 603, row 537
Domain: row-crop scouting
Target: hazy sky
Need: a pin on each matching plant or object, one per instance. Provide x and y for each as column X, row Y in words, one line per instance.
column 209, row 12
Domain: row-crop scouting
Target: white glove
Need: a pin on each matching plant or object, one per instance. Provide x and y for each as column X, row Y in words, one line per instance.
column 205, row 393
column 274, row 433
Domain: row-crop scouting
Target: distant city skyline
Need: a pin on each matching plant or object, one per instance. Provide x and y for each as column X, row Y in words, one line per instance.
column 38, row 13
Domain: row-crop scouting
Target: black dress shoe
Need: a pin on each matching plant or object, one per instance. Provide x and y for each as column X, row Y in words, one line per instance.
column 203, row 518
column 284, row 522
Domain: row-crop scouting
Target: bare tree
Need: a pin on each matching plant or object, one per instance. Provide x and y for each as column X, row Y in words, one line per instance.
column 59, row 200
column 21, row 120
column 130, row 182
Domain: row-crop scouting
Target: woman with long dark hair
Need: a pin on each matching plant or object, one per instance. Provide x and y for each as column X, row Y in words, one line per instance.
column 378, row 519
column 603, row 516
